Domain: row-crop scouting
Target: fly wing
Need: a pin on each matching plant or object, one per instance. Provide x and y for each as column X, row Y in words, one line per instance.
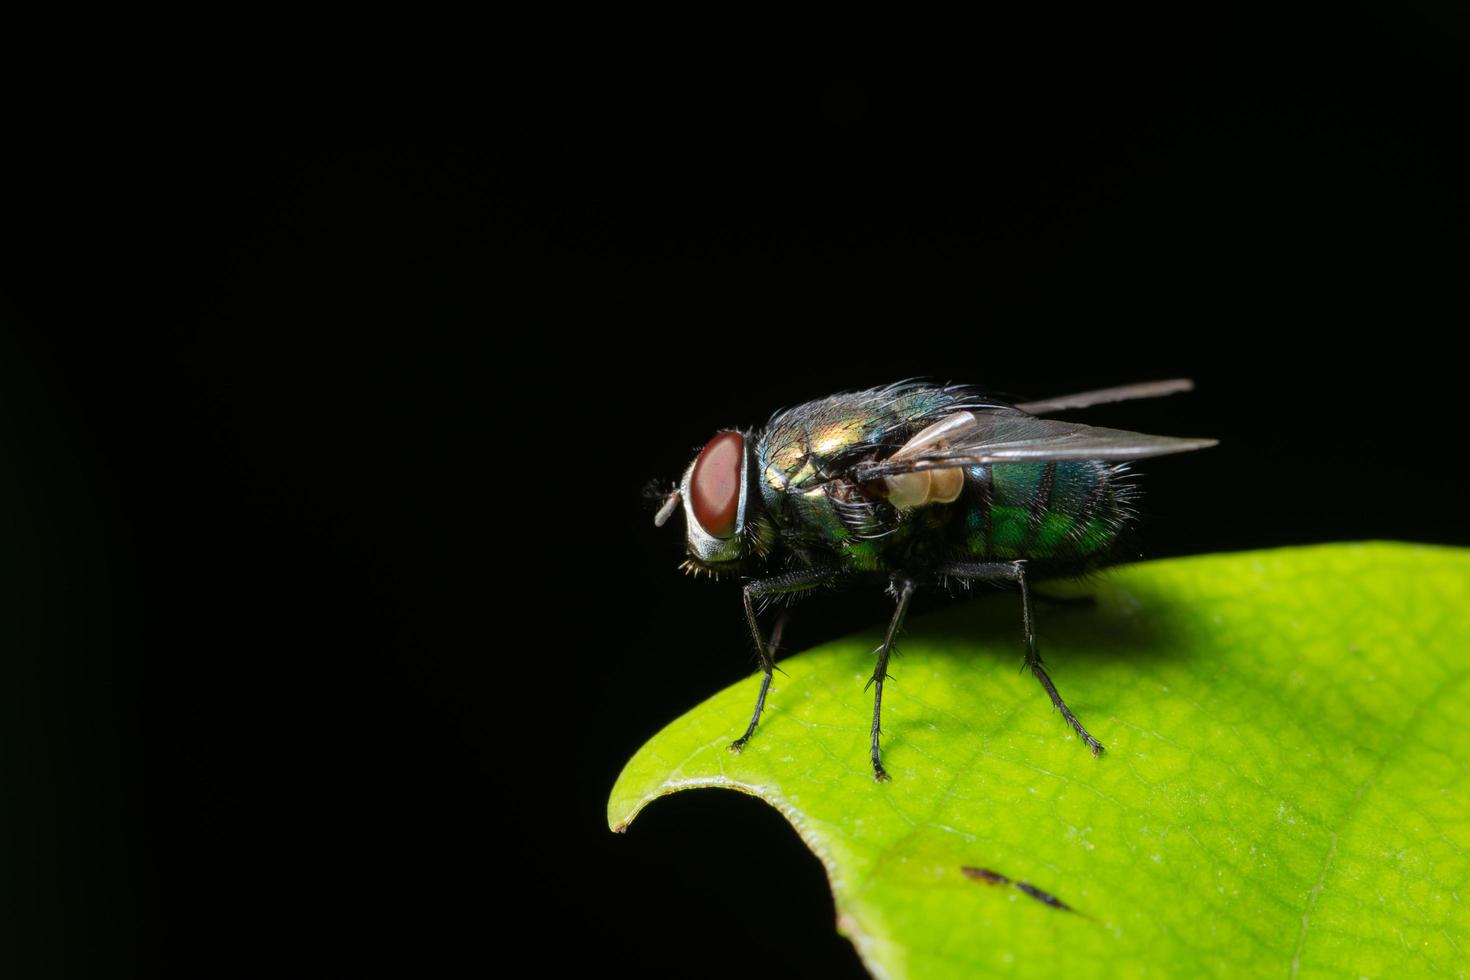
column 1105, row 396
column 1011, row 436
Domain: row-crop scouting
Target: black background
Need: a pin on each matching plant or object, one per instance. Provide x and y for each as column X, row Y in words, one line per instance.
column 334, row 607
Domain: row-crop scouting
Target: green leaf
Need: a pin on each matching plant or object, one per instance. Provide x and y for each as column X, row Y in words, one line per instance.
column 1284, row 791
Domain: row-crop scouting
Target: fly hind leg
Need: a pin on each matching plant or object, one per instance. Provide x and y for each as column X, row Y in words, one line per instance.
column 1015, row 571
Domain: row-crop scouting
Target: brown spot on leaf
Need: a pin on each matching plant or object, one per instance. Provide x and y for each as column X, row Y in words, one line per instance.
column 996, row 878
column 1042, row 896
column 985, row 875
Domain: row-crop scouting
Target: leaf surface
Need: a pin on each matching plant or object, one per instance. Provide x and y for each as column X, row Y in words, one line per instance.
column 1284, row 790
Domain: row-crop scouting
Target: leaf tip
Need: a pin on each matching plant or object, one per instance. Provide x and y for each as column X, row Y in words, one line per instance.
column 618, row 818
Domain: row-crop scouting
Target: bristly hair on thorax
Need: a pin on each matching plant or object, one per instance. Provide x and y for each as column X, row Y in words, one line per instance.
column 896, row 401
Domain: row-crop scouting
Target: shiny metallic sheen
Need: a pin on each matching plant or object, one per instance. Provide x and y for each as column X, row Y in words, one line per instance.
column 918, row 484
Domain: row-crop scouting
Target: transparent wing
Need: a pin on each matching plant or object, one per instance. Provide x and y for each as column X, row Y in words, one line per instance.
column 1105, row 396
column 1012, row 436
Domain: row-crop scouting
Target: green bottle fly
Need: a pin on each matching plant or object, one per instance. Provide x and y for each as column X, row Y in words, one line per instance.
column 915, row 484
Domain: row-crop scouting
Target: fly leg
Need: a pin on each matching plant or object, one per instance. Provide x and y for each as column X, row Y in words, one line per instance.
column 1015, row 571
column 798, row 581
column 903, row 589
column 767, row 656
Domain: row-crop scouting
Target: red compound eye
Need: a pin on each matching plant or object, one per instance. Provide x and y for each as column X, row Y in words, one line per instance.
column 714, row 486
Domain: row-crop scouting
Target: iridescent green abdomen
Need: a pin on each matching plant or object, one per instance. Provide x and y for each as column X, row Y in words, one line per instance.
column 1045, row 512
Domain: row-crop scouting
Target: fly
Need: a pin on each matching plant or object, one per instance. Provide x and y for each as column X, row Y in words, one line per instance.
column 916, row 484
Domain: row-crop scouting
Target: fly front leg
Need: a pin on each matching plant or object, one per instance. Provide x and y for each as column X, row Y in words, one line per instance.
column 1015, row 571
column 798, row 581
column 903, row 589
column 767, row 655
